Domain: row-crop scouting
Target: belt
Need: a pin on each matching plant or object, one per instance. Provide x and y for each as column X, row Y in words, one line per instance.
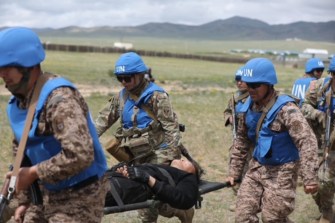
column 85, row 183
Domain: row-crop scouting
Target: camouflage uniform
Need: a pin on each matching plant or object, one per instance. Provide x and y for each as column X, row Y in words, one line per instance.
column 241, row 97
column 316, row 96
column 82, row 204
column 271, row 189
column 238, row 96
column 166, row 130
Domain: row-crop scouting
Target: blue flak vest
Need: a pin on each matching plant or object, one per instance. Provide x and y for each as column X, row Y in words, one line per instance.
column 271, row 148
column 300, row 87
column 41, row 148
column 142, row 118
column 239, row 105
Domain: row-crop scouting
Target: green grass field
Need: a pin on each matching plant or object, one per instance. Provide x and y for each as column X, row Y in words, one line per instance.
column 193, row 46
column 199, row 91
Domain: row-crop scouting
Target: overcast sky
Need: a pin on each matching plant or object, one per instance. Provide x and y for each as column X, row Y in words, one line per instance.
column 90, row 13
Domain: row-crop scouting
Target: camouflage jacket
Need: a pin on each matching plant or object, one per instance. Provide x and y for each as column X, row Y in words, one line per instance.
column 64, row 116
column 288, row 119
column 228, row 112
column 315, row 95
column 161, row 107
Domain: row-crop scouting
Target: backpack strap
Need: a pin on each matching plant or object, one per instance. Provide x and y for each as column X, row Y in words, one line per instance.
column 241, row 97
column 168, row 176
column 266, row 109
column 144, row 107
column 116, row 195
column 165, row 173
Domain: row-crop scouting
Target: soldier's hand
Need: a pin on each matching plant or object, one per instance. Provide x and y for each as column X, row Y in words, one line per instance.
column 20, row 212
column 26, row 176
column 321, row 117
column 311, row 188
column 134, row 173
column 230, row 180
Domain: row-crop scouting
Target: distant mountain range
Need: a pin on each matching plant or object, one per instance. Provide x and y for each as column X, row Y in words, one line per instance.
column 234, row 28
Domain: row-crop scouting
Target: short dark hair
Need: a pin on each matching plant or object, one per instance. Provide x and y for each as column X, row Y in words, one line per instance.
column 199, row 171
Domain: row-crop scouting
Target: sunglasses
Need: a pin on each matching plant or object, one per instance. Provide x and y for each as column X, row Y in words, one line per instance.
column 318, row 70
column 126, row 79
column 254, row 85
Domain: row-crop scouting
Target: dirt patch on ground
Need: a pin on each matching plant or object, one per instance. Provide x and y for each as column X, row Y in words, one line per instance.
column 87, row 90
column 173, row 87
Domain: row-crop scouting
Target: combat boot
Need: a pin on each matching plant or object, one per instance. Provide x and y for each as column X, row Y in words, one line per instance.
column 185, row 216
column 327, row 216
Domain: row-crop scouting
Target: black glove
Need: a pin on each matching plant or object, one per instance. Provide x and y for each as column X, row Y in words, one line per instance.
column 137, row 174
column 119, row 165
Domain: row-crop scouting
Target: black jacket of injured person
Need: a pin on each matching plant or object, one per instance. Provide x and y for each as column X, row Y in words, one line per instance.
column 182, row 195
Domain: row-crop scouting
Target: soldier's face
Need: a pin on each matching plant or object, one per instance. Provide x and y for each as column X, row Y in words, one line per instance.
column 132, row 82
column 317, row 73
column 10, row 75
column 257, row 91
column 242, row 86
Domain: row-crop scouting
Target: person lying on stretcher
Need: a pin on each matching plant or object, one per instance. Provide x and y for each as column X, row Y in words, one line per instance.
column 176, row 184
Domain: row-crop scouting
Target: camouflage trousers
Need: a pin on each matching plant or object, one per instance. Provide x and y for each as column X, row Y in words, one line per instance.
column 150, row 215
column 269, row 190
column 324, row 197
column 82, row 205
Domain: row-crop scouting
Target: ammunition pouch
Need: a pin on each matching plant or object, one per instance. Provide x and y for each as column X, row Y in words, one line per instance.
column 138, row 145
column 113, row 146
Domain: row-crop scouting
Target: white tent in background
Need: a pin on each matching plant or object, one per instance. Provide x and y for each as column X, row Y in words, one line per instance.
column 311, row 53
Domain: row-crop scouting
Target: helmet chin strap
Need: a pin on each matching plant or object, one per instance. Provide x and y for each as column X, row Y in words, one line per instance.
column 140, row 86
column 270, row 91
column 21, row 89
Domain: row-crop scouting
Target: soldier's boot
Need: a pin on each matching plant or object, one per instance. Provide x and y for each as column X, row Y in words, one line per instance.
column 327, row 216
column 185, row 216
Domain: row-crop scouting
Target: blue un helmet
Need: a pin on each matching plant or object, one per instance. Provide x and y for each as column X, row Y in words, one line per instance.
column 259, row 70
column 20, row 47
column 313, row 64
column 331, row 67
column 129, row 64
column 238, row 74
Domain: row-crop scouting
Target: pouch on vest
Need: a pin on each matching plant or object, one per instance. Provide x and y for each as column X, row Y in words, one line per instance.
column 138, row 146
column 120, row 153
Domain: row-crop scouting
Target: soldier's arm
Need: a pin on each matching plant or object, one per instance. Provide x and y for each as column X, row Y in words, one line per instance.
column 309, row 106
column 65, row 117
column 227, row 113
column 240, row 149
column 162, row 107
column 107, row 116
column 304, row 139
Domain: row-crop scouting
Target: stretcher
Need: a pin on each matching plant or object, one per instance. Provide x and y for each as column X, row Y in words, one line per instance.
column 204, row 187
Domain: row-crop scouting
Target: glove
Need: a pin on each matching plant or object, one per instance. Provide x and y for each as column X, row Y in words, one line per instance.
column 134, row 173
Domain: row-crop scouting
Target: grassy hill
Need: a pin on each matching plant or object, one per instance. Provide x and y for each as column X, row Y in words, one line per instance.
column 235, row 28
